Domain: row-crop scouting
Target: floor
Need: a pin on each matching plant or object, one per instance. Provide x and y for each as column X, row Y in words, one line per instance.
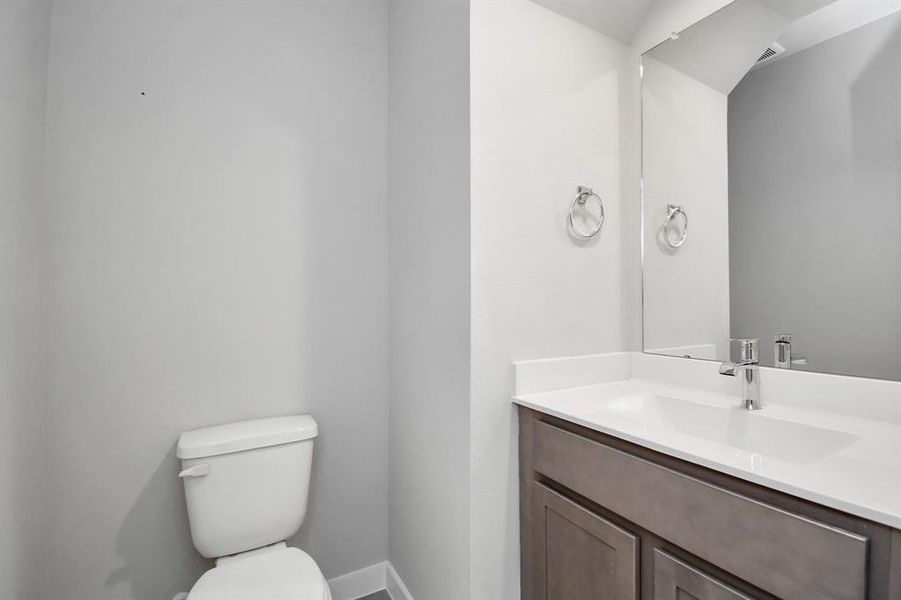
column 379, row 595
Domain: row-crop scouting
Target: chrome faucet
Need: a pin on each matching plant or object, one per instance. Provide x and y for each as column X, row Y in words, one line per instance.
column 782, row 349
column 748, row 369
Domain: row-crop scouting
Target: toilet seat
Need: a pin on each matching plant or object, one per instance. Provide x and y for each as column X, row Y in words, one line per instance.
column 281, row 573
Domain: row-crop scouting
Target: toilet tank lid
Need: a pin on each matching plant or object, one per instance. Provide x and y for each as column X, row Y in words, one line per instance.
column 245, row 435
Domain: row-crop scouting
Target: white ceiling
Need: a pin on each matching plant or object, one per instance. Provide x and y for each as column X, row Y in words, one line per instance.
column 830, row 21
column 618, row 19
column 793, row 9
column 719, row 50
column 815, row 21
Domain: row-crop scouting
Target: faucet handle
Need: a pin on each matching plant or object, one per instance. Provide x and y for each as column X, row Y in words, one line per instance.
column 782, row 350
column 750, row 348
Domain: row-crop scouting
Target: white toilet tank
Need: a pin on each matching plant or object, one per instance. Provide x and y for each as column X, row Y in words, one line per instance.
column 246, row 483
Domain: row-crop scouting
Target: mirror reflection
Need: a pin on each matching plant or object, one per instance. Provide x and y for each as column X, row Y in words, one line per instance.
column 771, row 168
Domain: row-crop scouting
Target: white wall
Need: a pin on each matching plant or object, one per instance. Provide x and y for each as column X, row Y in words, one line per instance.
column 554, row 105
column 430, row 295
column 545, row 119
column 686, row 291
column 24, row 39
column 662, row 18
column 217, row 251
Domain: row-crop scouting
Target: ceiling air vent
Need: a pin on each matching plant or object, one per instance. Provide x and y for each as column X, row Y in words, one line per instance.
column 771, row 52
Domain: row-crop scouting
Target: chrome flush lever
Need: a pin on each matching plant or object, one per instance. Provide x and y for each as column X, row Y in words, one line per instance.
column 201, row 470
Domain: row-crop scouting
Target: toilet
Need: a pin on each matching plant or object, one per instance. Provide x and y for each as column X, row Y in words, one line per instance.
column 246, row 488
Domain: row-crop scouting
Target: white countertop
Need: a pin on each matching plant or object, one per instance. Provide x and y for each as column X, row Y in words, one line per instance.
column 844, row 461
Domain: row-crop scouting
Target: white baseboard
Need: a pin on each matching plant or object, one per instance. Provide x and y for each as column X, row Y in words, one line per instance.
column 359, row 583
column 395, row 585
column 368, row 580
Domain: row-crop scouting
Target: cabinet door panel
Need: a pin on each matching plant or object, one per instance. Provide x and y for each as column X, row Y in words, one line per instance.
column 675, row 580
column 582, row 556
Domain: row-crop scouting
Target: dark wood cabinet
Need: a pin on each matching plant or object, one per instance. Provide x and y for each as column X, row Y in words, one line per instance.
column 606, row 519
column 586, row 556
column 676, row 580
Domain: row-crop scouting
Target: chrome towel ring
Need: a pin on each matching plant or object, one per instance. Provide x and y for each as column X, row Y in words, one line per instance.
column 672, row 212
column 582, row 195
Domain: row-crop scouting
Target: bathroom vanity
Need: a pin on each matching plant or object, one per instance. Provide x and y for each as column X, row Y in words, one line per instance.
column 635, row 488
column 602, row 518
column 648, row 475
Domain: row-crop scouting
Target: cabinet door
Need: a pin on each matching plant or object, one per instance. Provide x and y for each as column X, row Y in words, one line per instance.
column 580, row 555
column 675, row 580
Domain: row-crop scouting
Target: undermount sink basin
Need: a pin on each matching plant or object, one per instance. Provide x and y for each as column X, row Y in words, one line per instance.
column 733, row 427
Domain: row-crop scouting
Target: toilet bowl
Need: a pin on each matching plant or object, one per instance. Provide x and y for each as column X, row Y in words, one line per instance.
column 246, row 488
column 273, row 573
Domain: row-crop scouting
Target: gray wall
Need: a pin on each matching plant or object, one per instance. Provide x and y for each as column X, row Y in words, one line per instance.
column 430, row 293
column 217, row 251
column 815, row 202
column 24, row 39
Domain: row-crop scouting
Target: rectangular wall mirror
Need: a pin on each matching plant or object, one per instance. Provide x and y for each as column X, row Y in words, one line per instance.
column 771, row 177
